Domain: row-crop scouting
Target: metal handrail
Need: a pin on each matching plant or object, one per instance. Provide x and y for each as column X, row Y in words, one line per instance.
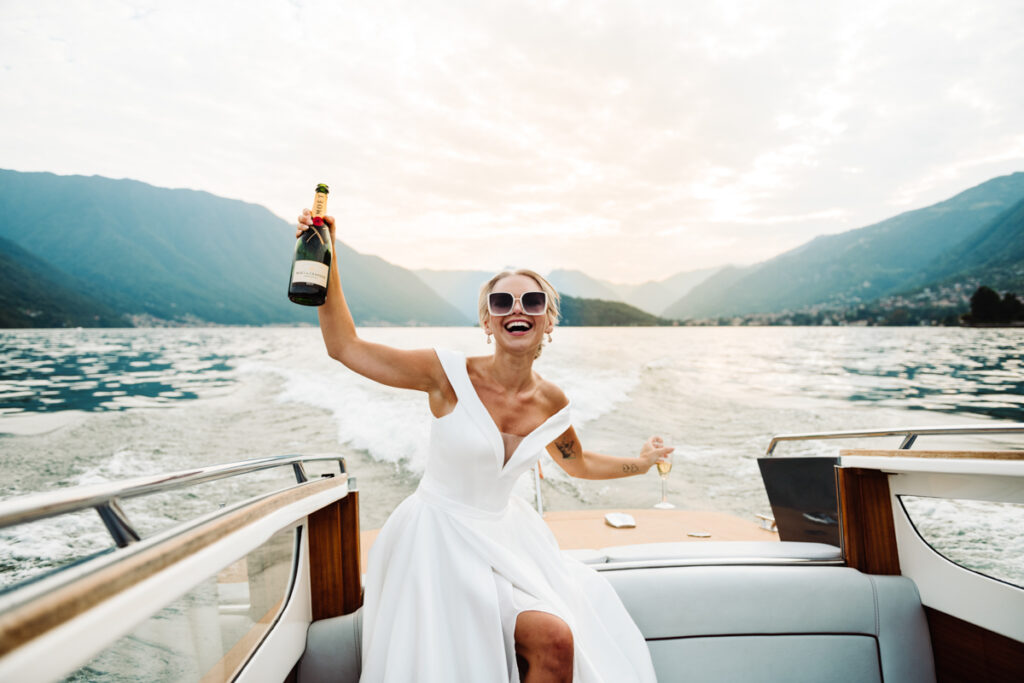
column 909, row 434
column 105, row 498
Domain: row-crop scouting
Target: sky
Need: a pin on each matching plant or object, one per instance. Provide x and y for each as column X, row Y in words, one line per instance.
column 630, row 140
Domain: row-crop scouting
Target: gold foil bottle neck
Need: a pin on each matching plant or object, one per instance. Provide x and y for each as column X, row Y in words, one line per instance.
column 320, row 201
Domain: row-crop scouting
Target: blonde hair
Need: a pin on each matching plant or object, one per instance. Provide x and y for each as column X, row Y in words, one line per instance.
column 554, row 301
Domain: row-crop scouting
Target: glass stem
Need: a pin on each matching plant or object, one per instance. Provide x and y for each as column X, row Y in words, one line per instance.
column 664, row 497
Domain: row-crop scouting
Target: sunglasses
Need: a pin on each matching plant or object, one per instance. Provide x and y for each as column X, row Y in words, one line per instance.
column 502, row 303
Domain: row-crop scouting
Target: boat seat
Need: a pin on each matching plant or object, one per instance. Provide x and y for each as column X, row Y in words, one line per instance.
column 814, row 624
column 334, row 650
column 798, row 624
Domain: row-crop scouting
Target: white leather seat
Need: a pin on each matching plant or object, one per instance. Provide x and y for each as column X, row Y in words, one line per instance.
column 813, row 624
column 778, row 623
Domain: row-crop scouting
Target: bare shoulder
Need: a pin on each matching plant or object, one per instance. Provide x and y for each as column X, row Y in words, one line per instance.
column 552, row 396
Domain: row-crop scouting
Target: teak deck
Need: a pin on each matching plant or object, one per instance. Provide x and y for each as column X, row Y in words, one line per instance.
column 586, row 529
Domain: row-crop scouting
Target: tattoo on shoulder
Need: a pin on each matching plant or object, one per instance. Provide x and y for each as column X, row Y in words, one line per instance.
column 565, row 447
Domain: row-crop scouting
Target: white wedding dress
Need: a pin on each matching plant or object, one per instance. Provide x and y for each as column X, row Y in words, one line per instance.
column 461, row 557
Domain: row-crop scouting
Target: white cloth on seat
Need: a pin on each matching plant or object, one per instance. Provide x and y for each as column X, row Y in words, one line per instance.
column 462, row 550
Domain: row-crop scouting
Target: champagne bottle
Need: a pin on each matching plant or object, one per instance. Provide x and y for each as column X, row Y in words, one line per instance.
column 311, row 264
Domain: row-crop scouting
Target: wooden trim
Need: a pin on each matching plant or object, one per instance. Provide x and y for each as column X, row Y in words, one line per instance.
column 867, row 530
column 350, row 555
column 334, row 572
column 952, row 455
column 29, row 621
column 967, row 653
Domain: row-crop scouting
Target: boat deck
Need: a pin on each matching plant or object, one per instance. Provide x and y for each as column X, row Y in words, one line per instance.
column 579, row 529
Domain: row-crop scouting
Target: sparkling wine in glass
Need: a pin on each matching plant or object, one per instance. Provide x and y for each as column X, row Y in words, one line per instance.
column 664, row 467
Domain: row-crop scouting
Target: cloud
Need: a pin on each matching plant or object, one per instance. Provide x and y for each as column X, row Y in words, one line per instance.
column 631, row 140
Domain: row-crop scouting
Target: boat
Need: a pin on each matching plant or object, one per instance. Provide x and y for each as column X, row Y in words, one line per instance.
column 843, row 585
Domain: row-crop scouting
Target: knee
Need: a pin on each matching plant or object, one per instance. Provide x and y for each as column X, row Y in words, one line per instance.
column 559, row 645
column 546, row 641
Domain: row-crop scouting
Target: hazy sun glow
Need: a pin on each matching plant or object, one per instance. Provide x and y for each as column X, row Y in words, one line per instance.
column 630, row 140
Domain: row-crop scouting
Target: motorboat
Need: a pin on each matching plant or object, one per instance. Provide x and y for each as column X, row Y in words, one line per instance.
column 844, row 582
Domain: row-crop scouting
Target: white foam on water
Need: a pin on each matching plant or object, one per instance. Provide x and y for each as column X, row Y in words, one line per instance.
column 716, row 394
column 594, row 387
column 34, row 424
column 390, row 425
column 393, row 425
column 29, row 548
column 123, row 464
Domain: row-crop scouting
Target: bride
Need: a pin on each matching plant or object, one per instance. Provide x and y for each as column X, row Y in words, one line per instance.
column 465, row 582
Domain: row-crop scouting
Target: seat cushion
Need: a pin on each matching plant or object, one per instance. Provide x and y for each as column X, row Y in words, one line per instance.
column 733, row 623
column 738, row 612
column 743, row 659
column 333, row 650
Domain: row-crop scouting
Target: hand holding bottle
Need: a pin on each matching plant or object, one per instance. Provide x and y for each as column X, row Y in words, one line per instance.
column 314, row 253
column 306, row 221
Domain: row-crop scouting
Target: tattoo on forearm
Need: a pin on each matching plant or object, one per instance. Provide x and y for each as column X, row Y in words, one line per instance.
column 632, row 469
column 565, row 448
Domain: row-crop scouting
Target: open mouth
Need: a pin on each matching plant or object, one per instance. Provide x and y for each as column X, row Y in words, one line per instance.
column 518, row 327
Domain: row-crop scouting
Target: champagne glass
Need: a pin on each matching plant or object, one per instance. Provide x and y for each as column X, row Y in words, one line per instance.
column 664, row 467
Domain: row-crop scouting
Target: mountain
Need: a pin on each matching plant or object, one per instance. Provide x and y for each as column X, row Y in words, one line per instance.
column 460, row 288
column 680, row 284
column 721, row 281
column 993, row 255
column 596, row 312
column 379, row 292
column 657, row 295
column 184, row 255
column 34, row 293
column 858, row 265
column 653, row 296
column 578, row 284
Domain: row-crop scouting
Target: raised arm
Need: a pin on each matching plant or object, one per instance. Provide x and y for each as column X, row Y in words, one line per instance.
column 405, row 369
column 569, row 454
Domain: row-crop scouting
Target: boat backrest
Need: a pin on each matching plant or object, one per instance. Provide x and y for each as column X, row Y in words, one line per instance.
column 777, row 623
column 734, row 623
column 333, row 650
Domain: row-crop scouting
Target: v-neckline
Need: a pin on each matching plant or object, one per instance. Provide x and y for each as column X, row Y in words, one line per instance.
column 503, row 464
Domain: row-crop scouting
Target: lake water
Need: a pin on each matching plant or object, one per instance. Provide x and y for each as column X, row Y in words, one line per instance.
column 80, row 406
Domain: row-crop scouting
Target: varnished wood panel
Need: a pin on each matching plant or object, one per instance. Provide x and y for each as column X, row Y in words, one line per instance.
column 952, row 455
column 868, row 534
column 352, row 589
column 966, row 653
column 334, row 575
column 325, row 568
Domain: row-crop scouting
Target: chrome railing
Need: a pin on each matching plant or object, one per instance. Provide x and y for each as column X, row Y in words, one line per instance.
column 909, row 434
column 105, row 498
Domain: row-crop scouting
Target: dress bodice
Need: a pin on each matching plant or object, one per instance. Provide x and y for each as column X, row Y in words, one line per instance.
column 466, row 463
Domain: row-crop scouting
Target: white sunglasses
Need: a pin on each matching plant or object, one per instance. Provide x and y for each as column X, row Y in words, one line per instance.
column 502, row 303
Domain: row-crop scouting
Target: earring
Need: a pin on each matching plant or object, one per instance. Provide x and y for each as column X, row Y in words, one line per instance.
column 488, row 338
column 549, row 338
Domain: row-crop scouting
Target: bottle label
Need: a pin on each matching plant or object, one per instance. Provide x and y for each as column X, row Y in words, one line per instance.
column 310, row 272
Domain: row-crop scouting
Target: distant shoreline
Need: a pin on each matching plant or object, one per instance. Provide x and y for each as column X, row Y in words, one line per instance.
column 673, row 324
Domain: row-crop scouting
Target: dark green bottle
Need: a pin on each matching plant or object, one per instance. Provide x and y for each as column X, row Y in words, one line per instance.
column 311, row 264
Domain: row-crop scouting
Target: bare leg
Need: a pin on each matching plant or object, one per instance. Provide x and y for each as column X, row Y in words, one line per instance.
column 545, row 643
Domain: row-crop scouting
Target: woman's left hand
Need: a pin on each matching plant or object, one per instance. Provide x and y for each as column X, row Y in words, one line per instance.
column 653, row 451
